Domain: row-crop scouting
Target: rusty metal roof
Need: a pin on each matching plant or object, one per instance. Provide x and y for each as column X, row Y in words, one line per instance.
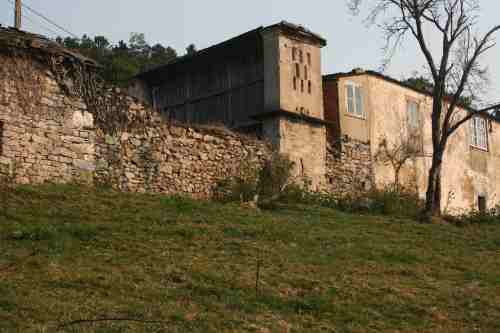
column 14, row 39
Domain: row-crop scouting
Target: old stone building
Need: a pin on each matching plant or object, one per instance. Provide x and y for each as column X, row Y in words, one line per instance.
column 60, row 123
column 267, row 81
column 382, row 113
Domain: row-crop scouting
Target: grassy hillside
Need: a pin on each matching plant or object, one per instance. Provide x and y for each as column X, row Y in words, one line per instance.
column 79, row 260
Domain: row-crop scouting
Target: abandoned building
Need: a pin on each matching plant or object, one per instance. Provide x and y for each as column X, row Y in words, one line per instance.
column 384, row 113
column 266, row 86
column 267, row 81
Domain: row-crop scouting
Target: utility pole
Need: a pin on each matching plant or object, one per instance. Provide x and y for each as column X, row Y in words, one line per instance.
column 17, row 15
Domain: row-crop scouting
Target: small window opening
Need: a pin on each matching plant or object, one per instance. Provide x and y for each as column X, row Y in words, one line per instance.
column 301, row 56
column 294, row 53
column 309, row 58
column 1, row 137
column 302, row 85
column 481, row 202
column 294, row 83
column 309, row 87
column 297, row 70
column 306, row 74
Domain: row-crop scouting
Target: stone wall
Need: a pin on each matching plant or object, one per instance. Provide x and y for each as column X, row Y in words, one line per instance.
column 173, row 159
column 349, row 168
column 49, row 135
column 46, row 135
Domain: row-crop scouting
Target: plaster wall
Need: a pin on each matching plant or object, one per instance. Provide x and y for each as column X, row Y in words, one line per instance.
column 305, row 144
column 297, row 98
column 467, row 171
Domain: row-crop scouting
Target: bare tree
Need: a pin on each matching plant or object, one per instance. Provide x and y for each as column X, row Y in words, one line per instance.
column 397, row 155
column 456, row 69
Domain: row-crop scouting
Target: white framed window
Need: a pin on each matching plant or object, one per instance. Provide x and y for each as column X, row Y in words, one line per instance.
column 354, row 97
column 479, row 133
column 412, row 113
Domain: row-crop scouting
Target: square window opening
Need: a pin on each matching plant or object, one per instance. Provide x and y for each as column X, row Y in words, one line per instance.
column 481, row 203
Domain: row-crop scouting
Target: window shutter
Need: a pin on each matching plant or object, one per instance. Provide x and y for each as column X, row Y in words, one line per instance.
column 350, row 98
column 482, row 133
column 359, row 101
column 412, row 114
column 473, row 136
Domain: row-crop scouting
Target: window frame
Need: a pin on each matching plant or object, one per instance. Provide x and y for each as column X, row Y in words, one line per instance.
column 413, row 126
column 475, row 133
column 355, row 87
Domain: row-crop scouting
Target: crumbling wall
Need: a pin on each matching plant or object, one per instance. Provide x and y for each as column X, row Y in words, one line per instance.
column 173, row 159
column 349, row 167
column 57, row 128
column 46, row 135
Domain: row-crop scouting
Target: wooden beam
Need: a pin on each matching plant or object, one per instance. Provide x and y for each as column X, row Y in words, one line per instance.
column 17, row 15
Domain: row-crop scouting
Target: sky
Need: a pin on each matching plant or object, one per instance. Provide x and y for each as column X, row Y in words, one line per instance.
column 178, row 23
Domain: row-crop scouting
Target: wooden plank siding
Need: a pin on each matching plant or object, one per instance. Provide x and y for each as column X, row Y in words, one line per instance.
column 228, row 90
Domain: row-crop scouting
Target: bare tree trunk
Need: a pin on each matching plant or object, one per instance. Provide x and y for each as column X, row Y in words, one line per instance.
column 433, row 196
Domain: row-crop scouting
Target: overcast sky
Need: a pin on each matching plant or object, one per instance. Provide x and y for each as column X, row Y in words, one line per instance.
column 179, row 23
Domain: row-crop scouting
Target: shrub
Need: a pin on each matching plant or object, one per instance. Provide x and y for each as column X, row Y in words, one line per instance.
column 264, row 184
column 476, row 217
column 387, row 201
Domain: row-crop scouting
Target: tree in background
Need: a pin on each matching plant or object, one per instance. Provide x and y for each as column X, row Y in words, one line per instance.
column 124, row 60
column 191, row 50
column 456, row 70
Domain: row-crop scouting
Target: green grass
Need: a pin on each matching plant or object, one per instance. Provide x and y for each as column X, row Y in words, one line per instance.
column 69, row 253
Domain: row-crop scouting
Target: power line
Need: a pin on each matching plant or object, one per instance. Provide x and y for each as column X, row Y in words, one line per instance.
column 40, row 25
column 46, row 19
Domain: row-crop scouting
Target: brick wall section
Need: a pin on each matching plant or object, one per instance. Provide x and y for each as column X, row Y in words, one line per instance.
column 349, row 168
column 331, row 102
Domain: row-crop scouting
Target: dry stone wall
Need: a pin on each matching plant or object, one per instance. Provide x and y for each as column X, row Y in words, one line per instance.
column 50, row 136
column 103, row 136
column 349, row 168
column 45, row 135
column 173, row 159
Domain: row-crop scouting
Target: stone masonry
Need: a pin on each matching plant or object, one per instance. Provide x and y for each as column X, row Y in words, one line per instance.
column 49, row 135
column 349, row 167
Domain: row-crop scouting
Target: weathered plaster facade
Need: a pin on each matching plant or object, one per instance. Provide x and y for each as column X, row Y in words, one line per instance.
column 53, row 127
column 468, row 172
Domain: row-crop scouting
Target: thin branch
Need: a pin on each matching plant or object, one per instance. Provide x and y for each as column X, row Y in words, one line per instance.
column 469, row 116
column 117, row 319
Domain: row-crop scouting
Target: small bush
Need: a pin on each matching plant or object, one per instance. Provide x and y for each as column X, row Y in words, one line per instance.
column 475, row 217
column 263, row 184
column 387, row 201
